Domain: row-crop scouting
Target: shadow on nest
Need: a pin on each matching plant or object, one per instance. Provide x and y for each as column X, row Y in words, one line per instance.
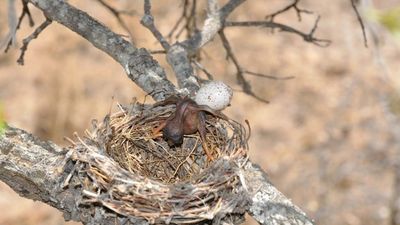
column 127, row 168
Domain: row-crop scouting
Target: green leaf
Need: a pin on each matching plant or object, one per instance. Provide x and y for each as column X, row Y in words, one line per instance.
column 389, row 18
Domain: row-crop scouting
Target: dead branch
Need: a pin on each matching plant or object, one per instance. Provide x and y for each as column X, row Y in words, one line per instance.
column 213, row 23
column 179, row 54
column 148, row 22
column 308, row 37
column 25, row 11
column 27, row 40
column 353, row 4
column 294, row 6
column 246, row 87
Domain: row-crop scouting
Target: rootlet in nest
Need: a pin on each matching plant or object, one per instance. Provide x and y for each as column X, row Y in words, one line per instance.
column 138, row 164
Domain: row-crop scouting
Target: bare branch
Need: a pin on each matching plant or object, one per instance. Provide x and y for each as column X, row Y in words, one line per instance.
column 25, row 11
column 117, row 14
column 180, row 20
column 294, row 6
column 148, row 22
column 27, row 40
column 308, row 37
column 246, row 87
column 205, row 71
column 138, row 63
column 178, row 58
column 213, row 24
column 179, row 55
column 353, row 4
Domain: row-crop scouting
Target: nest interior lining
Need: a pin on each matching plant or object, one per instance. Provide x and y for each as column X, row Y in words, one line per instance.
column 132, row 143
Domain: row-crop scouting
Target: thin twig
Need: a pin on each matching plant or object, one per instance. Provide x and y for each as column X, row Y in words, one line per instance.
column 25, row 11
column 267, row 76
column 117, row 14
column 205, row 71
column 158, row 52
column 246, row 87
column 353, row 4
column 308, row 37
column 27, row 40
column 180, row 20
column 272, row 16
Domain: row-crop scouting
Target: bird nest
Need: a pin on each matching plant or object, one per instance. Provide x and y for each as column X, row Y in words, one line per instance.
column 128, row 169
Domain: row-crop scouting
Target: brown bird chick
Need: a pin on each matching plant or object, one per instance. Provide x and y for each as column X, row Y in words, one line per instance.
column 187, row 119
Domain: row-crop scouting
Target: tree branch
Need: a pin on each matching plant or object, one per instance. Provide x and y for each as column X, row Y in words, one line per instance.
column 308, row 37
column 294, row 6
column 179, row 54
column 27, row 40
column 268, row 205
column 138, row 63
column 246, row 87
column 213, row 24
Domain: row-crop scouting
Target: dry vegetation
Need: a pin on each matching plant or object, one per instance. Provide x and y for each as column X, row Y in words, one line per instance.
column 328, row 139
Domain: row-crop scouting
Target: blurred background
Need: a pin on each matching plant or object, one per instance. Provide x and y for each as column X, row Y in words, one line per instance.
column 329, row 139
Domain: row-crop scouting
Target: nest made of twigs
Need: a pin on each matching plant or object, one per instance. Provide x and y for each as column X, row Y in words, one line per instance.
column 125, row 167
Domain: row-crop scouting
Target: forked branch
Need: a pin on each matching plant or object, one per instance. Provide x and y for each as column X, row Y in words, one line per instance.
column 308, row 37
column 27, row 40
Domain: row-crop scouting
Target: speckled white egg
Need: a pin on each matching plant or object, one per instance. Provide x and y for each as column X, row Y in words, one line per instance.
column 215, row 94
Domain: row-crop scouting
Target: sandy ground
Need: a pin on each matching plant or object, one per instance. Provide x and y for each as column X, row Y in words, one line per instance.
column 328, row 139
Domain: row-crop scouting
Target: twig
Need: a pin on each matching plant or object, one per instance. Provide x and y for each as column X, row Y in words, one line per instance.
column 267, row 76
column 27, row 40
column 353, row 4
column 148, row 22
column 246, row 87
column 188, row 18
column 205, row 71
column 158, row 52
column 117, row 14
column 272, row 16
column 308, row 37
column 25, row 11
column 179, row 21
